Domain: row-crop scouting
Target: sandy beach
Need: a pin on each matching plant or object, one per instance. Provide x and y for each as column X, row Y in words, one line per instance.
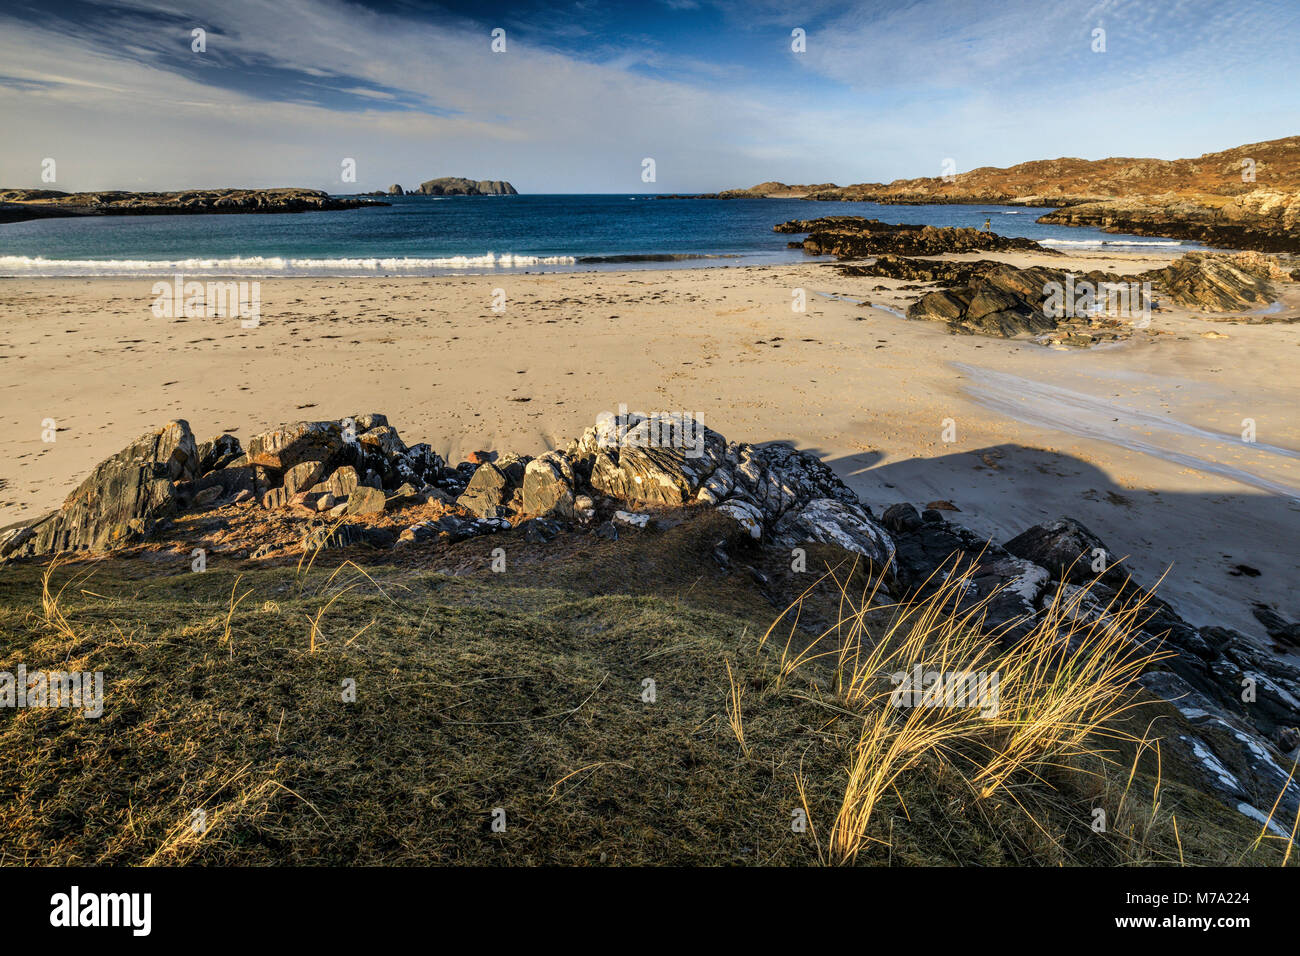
column 1141, row 441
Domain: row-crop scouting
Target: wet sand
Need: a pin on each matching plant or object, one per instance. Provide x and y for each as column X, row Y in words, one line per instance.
column 1141, row 441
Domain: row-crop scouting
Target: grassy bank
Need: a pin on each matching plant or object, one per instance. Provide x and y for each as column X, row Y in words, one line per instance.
column 526, row 692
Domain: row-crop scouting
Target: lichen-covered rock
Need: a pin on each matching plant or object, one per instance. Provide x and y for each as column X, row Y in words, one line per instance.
column 778, row 478
column 744, row 514
column 660, row 460
column 836, row 522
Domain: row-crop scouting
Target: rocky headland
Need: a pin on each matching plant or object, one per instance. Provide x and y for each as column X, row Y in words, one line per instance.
column 17, row 205
column 1242, row 198
column 459, row 186
column 355, row 485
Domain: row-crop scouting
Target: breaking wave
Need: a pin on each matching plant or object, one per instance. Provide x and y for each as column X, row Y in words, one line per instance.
column 265, row 265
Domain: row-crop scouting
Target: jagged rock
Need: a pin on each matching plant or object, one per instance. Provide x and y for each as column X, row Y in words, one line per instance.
column 13, row 537
column 901, row 518
column 275, row 498
column 218, row 453
column 208, row 497
column 404, row 496
column 341, row 482
column 836, row 522
column 661, row 460
column 282, row 448
column 325, row 502
column 1215, row 283
column 123, row 496
column 778, row 477
column 1067, row 549
column 720, row 484
column 365, row 500
column 346, row 535
column 1277, row 627
column 303, row 476
column 383, row 441
column 548, row 485
column 540, row 530
column 943, row 271
column 396, row 190
column 928, row 552
column 488, row 492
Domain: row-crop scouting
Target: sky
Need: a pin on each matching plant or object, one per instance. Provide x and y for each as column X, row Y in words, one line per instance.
column 284, row 92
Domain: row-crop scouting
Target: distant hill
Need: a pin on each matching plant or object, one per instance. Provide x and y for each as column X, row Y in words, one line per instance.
column 1248, row 196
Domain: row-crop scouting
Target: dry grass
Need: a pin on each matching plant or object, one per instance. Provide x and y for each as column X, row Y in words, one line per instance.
column 523, row 691
column 1060, row 696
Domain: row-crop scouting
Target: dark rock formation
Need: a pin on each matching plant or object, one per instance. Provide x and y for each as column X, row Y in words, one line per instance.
column 941, row 271
column 1066, row 549
column 999, row 299
column 456, row 186
column 1216, row 283
column 396, row 190
column 853, row 236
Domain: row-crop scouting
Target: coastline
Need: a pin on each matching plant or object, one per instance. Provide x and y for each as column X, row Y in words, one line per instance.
column 857, row 385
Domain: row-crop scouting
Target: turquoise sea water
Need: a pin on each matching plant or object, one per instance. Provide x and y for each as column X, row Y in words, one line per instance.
column 419, row 235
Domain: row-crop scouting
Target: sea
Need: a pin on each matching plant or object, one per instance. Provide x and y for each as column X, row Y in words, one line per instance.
column 474, row 235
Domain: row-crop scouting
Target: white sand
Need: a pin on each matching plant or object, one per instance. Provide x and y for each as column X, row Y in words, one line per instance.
column 1108, row 436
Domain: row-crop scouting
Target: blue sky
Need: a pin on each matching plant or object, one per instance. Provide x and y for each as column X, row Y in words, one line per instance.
column 288, row 89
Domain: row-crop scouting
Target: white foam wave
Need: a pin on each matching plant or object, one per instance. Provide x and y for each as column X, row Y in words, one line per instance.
column 264, row 265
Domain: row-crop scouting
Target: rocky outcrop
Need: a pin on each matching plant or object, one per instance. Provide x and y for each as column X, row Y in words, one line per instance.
column 456, row 186
column 1216, row 283
column 848, row 237
column 124, row 495
column 1243, row 741
column 19, row 204
column 1267, row 220
column 1066, row 308
column 396, row 190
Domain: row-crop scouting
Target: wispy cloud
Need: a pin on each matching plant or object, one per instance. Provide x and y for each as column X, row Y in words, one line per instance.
column 285, row 90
